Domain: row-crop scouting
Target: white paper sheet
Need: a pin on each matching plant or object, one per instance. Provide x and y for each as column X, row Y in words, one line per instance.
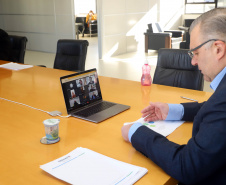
column 86, row 167
column 164, row 128
column 15, row 66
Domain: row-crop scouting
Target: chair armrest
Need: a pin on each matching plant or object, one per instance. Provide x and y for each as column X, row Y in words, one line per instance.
column 155, row 41
column 183, row 28
column 159, row 34
column 176, row 33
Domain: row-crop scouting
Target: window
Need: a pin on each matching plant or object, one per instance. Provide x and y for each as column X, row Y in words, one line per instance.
column 199, row 6
column 82, row 7
column 221, row 3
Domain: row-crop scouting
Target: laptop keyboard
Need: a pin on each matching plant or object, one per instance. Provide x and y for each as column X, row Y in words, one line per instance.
column 94, row 109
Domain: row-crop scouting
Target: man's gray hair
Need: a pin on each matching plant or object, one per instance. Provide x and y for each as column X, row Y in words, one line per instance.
column 212, row 24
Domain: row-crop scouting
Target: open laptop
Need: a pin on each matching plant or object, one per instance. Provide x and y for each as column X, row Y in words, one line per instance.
column 83, row 97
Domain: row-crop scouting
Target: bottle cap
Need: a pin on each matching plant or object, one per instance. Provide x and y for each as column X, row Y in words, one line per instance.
column 146, row 61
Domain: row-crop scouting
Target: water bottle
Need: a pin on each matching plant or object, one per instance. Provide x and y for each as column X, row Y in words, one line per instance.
column 146, row 77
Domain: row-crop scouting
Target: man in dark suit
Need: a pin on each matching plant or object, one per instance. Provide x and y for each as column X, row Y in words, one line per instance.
column 203, row 159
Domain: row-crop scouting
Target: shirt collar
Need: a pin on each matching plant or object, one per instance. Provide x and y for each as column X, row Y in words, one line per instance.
column 214, row 84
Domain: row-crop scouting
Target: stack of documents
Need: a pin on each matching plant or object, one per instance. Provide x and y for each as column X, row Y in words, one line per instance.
column 15, row 66
column 86, row 167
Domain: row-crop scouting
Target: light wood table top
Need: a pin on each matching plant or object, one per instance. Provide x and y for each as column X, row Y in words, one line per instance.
column 21, row 128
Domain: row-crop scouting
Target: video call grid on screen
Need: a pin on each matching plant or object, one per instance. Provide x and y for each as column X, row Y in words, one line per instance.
column 81, row 90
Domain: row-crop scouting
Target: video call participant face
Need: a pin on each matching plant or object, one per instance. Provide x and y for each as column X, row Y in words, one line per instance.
column 80, row 82
column 90, row 79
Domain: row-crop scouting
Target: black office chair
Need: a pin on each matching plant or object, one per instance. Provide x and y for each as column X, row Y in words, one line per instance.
column 81, row 28
column 185, row 44
column 84, row 29
column 18, row 44
column 12, row 48
column 156, row 38
column 93, row 28
column 71, row 55
column 174, row 69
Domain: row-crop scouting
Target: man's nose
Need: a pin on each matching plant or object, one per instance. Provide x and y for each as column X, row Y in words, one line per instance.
column 194, row 62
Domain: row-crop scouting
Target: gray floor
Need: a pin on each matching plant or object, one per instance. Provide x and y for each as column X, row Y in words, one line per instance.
column 127, row 66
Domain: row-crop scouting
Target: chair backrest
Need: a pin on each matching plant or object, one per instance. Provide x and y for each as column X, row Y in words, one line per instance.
column 5, row 45
column 187, row 22
column 174, row 69
column 158, row 27
column 18, row 44
column 71, row 54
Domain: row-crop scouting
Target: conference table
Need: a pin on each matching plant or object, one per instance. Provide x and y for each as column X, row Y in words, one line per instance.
column 21, row 127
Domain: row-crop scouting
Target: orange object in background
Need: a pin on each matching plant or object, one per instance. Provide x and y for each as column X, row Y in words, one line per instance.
column 90, row 17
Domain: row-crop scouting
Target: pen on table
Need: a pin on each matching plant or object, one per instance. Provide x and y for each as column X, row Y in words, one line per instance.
column 189, row 98
column 129, row 123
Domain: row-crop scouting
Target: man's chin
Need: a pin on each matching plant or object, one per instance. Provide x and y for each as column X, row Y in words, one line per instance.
column 206, row 78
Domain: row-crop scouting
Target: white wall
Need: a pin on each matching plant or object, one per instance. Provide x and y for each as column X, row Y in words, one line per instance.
column 43, row 22
column 125, row 21
column 121, row 23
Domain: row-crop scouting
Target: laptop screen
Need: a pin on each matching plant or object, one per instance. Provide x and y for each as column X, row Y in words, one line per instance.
column 80, row 89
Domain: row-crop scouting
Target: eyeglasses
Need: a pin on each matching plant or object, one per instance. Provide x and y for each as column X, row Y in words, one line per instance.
column 190, row 52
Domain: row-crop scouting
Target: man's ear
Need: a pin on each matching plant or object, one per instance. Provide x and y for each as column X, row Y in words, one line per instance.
column 220, row 49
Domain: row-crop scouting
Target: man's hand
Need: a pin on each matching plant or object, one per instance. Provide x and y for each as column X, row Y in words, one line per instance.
column 155, row 111
column 125, row 132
